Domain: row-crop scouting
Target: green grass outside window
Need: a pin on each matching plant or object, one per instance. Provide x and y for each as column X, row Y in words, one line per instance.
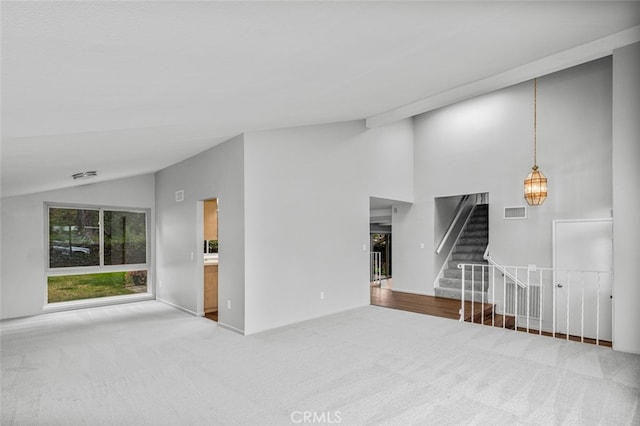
column 76, row 287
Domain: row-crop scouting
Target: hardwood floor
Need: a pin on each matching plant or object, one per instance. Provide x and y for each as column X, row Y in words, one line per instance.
column 422, row 304
column 450, row 308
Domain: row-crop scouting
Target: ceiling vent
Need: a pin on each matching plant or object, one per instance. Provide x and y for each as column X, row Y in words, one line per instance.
column 519, row 212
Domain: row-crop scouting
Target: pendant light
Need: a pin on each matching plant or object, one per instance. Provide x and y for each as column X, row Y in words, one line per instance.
column 535, row 185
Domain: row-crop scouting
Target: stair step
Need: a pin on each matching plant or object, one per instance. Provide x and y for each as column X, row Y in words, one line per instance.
column 497, row 320
column 476, row 226
column 467, row 257
column 462, row 248
column 456, row 283
column 475, row 234
column 488, row 317
column 477, row 274
column 473, row 241
column 479, row 313
column 453, row 264
column 454, row 293
column 484, row 219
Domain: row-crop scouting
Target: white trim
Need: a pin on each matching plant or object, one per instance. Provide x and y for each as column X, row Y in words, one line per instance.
column 562, row 60
column 627, row 349
column 231, row 328
column 96, row 302
column 178, row 307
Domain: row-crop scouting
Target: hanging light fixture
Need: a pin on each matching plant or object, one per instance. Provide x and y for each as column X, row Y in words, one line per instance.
column 535, row 185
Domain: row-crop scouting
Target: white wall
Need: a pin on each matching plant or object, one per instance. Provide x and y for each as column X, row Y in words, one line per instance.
column 626, row 197
column 24, row 287
column 215, row 173
column 307, row 195
column 485, row 145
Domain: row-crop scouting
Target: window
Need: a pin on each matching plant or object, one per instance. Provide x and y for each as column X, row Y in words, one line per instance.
column 74, row 237
column 96, row 252
column 125, row 238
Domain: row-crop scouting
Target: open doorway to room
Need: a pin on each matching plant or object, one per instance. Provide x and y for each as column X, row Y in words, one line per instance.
column 461, row 231
column 211, row 260
column 380, row 234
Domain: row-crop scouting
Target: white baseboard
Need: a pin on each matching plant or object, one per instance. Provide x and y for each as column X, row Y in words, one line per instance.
column 180, row 308
column 231, row 328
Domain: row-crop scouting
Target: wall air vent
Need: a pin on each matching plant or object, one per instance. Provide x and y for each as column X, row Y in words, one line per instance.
column 519, row 212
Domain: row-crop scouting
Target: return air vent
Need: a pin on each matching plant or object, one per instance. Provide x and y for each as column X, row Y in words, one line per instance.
column 519, row 212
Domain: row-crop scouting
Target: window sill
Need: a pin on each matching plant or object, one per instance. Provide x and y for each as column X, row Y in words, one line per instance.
column 91, row 303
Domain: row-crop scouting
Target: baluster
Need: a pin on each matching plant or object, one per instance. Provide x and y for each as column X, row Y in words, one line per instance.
column 493, row 296
column 598, row 308
column 515, row 285
column 482, row 315
column 504, row 299
column 582, row 308
column 473, row 293
column 528, row 296
column 462, row 295
column 540, row 311
column 568, row 297
column 554, row 292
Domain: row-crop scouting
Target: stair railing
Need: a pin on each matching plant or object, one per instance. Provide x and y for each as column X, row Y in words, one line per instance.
column 459, row 210
column 502, row 269
column 557, row 302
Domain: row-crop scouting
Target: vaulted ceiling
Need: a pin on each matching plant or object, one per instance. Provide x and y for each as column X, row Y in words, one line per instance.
column 127, row 88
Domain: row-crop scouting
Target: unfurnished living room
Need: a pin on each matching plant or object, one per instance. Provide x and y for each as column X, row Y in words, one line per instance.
column 331, row 212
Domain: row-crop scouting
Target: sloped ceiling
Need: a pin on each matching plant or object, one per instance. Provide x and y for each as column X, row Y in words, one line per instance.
column 131, row 87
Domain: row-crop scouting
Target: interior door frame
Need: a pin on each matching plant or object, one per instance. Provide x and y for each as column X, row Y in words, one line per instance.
column 199, row 258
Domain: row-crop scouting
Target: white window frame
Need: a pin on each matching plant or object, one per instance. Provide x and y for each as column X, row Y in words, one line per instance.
column 101, row 268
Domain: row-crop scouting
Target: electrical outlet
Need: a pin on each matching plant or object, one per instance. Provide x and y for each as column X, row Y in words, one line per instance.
column 421, row 245
column 228, row 304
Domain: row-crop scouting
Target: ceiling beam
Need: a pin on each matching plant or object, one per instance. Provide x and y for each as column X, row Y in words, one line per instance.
column 578, row 55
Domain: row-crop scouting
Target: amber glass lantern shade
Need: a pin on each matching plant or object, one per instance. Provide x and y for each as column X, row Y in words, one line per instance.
column 535, row 187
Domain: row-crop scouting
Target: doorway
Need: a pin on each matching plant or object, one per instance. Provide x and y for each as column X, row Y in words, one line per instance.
column 211, row 259
column 582, row 247
column 380, row 242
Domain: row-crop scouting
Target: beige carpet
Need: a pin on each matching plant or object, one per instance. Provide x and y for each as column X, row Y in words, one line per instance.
column 149, row 364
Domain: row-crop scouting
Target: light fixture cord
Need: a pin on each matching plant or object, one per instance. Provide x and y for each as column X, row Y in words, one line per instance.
column 535, row 121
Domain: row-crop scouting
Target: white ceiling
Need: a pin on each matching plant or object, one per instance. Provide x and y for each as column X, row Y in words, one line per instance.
column 131, row 87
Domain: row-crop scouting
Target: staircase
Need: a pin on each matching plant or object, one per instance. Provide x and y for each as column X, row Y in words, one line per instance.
column 469, row 248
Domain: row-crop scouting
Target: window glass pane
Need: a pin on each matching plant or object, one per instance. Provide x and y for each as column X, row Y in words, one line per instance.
column 125, row 238
column 74, row 237
column 90, row 286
